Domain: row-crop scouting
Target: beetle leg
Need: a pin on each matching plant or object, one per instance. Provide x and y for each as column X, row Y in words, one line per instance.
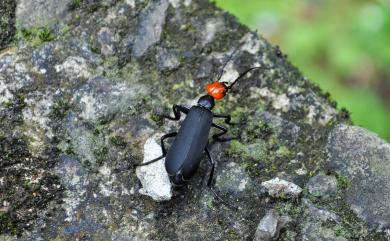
column 227, row 118
column 223, row 131
column 164, row 151
column 177, row 109
column 212, row 163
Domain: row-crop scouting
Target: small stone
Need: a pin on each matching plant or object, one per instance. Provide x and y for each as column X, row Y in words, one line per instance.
column 154, row 178
column 270, row 225
column 322, row 186
column 281, row 188
column 150, row 28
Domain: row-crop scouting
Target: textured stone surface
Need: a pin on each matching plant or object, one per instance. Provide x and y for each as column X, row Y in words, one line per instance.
column 322, row 186
column 40, row 13
column 270, row 225
column 322, row 214
column 150, row 27
column 80, row 97
column 7, row 19
column 314, row 231
column 364, row 159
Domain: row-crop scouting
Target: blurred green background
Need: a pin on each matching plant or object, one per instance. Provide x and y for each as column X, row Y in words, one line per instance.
column 343, row 46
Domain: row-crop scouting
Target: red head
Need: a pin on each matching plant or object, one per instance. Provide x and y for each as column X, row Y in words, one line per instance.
column 217, row 90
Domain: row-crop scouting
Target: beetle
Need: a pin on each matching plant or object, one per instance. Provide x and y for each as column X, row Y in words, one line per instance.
column 184, row 156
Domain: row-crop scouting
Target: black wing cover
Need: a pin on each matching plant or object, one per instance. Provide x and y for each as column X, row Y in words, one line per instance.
column 187, row 149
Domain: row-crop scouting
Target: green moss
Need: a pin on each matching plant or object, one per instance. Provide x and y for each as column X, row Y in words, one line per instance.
column 231, row 233
column 237, row 149
column 342, row 181
column 45, row 35
column 35, row 35
column 157, row 118
column 283, row 152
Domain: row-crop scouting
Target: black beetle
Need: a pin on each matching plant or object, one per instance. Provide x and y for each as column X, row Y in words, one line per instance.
column 184, row 156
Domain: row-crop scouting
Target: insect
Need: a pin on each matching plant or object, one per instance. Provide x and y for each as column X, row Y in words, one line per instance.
column 191, row 141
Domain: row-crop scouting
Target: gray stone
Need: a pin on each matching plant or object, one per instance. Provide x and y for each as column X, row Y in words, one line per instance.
column 364, row 159
column 281, row 188
column 270, row 226
column 150, row 27
column 322, row 186
column 40, row 13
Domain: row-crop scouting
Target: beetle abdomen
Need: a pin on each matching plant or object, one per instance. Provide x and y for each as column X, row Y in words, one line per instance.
column 186, row 151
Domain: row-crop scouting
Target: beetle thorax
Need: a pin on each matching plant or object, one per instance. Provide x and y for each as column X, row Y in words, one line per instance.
column 206, row 101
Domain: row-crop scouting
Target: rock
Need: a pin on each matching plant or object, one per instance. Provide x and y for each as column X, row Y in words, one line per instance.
column 41, row 12
column 154, row 178
column 270, row 226
column 80, row 96
column 7, row 28
column 322, row 186
column 150, row 27
column 281, row 188
column 321, row 214
column 364, row 159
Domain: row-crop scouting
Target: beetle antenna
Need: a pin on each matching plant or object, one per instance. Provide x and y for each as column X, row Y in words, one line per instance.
column 243, row 74
column 228, row 60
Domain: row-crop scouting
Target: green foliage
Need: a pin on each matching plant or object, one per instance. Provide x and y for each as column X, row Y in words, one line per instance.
column 36, row 36
column 342, row 46
column 342, row 181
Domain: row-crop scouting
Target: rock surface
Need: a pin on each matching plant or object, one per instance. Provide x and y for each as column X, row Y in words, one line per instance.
column 81, row 95
column 40, row 13
column 322, row 186
column 7, row 19
column 364, row 159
